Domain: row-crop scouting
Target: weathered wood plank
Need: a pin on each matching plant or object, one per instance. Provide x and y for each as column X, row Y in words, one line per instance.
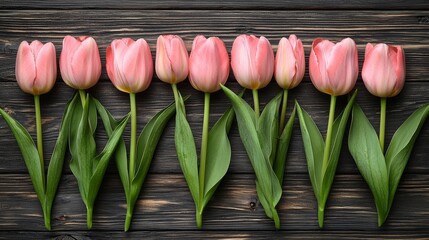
column 165, row 161
column 165, row 204
column 86, row 235
column 212, row 4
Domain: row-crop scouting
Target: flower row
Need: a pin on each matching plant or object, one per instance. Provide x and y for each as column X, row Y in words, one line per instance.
column 265, row 133
column 333, row 67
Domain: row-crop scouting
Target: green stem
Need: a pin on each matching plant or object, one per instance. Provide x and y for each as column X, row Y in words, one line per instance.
column 276, row 218
column 128, row 217
column 320, row 215
column 202, row 170
column 283, row 112
column 256, row 102
column 133, row 135
column 382, row 122
column 82, row 95
column 176, row 95
column 326, row 154
column 327, row 150
column 199, row 217
column 89, row 217
column 47, row 217
column 40, row 137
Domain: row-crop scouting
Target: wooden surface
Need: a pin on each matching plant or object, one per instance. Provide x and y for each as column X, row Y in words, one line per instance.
column 165, row 208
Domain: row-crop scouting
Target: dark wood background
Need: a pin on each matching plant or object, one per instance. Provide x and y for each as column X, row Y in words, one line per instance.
column 165, row 208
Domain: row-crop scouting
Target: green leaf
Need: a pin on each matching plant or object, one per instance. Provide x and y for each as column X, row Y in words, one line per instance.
column 103, row 160
column 57, row 159
column 314, row 146
column 400, row 148
column 149, row 138
column 265, row 175
column 29, row 153
column 85, row 150
column 76, row 112
column 268, row 128
column 366, row 151
column 186, row 150
column 218, row 154
column 282, row 148
column 264, row 202
column 338, row 130
column 121, row 152
column 146, row 146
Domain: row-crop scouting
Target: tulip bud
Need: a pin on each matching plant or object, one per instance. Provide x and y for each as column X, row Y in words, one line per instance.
column 289, row 67
column 383, row 70
column 171, row 62
column 208, row 64
column 80, row 63
column 36, row 67
column 334, row 67
column 129, row 64
column 252, row 61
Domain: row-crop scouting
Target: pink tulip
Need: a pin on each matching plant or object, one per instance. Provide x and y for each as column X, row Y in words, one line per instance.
column 171, row 63
column 289, row 67
column 208, row 64
column 334, row 67
column 129, row 64
column 383, row 70
column 252, row 61
column 80, row 63
column 36, row 67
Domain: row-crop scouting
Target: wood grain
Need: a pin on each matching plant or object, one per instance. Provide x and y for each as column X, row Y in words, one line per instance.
column 262, row 235
column 165, row 209
column 165, row 204
column 213, row 4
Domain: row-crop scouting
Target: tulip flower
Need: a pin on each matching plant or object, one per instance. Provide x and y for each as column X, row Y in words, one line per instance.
column 80, row 67
column 80, row 63
column 334, row 71
column 208, row 69
column 208, row 64
column 334, row 67
column 171, row 62
column 383, row 73
column 130, row 68
column 252, row 62
column 265, row 138
column 36, row 67
column 383, row 70
column 289, row 68
column 36, row 72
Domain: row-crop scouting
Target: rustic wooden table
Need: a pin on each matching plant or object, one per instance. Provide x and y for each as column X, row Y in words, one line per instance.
column 165, row 208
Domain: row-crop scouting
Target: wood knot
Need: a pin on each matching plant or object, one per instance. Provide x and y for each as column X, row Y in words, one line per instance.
column 252, row 205
column 423, row 19
column 61, row 218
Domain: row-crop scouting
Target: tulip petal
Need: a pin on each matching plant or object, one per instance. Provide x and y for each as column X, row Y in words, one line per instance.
column 70, row 45
column 318, row 64
column 342, row 66
column 264, row 62
column 86, row 64
column 285, row 64
column 46, row 66
column 178, row 58
column 120, row 48
column 138, row 66
column 162, row 62
column 25, row 68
